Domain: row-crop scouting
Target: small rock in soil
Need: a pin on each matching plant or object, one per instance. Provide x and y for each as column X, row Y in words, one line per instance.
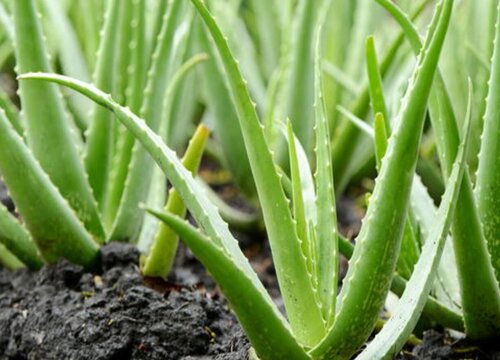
column 63, row 312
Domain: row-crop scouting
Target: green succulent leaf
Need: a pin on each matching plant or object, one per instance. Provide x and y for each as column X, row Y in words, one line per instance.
column 376, row 86
column 488, row 178
column 300, row 85
column 8, row 260
column 53, row 225
column 99, row 146
column 299, row 212
column 162, row 253
column 268, row 333
column 401, row 324
column 374, row 259
column 134, row 97
column 475, row 272
column 11, row 112
column 226, row 127
column 295, row 283
column 325, row 227
column 47, row 124
column 166, row 57
column 18, row 241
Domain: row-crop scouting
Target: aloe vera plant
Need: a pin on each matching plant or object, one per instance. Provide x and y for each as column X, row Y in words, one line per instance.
column 400, row 245
column 84, row 189
column 318, row 327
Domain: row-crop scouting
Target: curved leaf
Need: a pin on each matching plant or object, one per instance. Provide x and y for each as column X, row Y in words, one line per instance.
column 268, row 333
column 396, row 331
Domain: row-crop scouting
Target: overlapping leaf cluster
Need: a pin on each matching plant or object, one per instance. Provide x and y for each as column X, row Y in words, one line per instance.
column 443, row 263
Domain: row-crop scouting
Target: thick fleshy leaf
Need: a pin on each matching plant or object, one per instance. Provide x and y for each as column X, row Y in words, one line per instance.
column 488, row 177
column 162, row 254
column 475, row 271
column 400, row 326
column 266, row 329
column 47, row 124
column 167, row 56
column 295, row 284
column 51, row 222
column 18, row 241
column 374, row 260
column 325, row 227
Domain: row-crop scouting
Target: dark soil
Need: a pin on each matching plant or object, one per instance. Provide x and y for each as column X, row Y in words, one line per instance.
column 63, row 312
column 436, row 345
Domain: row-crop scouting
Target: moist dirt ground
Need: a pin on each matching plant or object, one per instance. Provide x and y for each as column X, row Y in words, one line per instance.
column 63, row 312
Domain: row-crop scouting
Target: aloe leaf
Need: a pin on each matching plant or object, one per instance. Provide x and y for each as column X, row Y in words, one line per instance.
column 409, row 247
column 295, row 283
column 375, row 84
column 476, row 275
column 299, row 213
column 227, row 129
column 156, row 199
column 99, row 150
column 11, row 112
column 368, row 280
column 71, row 55
column 307, row 193
column 363, row 23
column 8, row 260
column 302, row 193
column 48, row 133
column 162, row 253
column 173, row 89
column 488, row 179
column 382, row 128
column 183, row 109
column 334, row 54
column 447, row 288
column 134, row 97
column 421, row 203
column 326, row 226
column 18, row 241
column 124, row 39
column 167, row 54
column 157, row 193
column 300, row 89
column 380, row 137
column 265, row 327
column 156, row 19
column 432, row 308
column 52, row 223
column 396, row 331
column 359, row 123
